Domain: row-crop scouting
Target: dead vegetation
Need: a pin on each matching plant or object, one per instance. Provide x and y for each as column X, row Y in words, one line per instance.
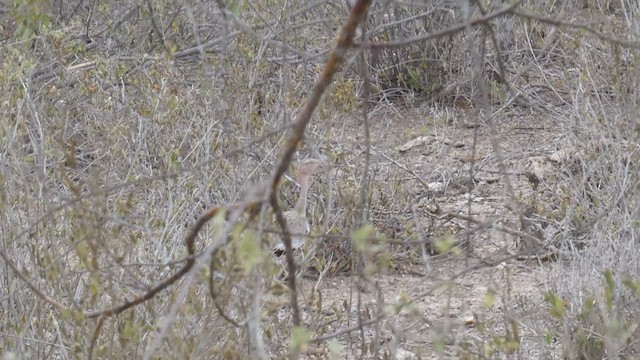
column 481, row 199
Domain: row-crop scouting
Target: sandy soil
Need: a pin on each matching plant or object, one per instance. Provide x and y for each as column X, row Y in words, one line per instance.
column 434, row 310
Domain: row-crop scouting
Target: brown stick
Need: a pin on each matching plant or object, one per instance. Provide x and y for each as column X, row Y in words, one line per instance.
column 190, row 245
column 345, row 40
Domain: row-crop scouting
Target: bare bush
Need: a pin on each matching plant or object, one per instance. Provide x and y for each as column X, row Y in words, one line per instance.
column 481, row 200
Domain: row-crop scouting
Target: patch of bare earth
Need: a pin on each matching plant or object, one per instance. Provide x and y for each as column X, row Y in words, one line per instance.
column 436, row 306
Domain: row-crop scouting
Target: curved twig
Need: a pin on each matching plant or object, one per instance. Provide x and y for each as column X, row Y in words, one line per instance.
column 190, row 245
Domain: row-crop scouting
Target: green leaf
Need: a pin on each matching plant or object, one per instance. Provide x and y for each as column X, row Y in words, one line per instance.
column 300, row 337
column 489, row 299
column 131, row 332
column 335, row 349
column 174, row 158
column 218, row 222
column 234, row 7
column 548, row 337
column 438, row 341
column 445, row 244
column 249, row 251
column 587, row 309
column 361, row 236
column 557, row 305
column 633, row 285
column 82, row 250
column 609, row 289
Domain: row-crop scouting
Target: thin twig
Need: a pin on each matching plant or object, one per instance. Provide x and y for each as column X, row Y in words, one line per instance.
column 587, row 28
column 501, row 228
column 190, row 245
column 146, row 180
column 48, row 299
column 94, row 337
column 347, row 330
column 439, row 34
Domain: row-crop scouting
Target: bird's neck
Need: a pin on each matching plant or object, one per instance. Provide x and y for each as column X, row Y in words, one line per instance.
column 301, row 205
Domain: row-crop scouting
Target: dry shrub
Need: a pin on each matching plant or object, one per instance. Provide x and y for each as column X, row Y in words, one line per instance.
column 118, row 131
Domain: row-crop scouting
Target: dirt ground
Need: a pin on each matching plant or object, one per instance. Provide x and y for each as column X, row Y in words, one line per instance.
column 433, row 310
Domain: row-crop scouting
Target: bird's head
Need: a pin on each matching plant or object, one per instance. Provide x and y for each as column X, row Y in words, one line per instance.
column 308, row 167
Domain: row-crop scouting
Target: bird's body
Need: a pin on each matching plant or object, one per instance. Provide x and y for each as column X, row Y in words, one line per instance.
column 298, row 226
column 296, row 219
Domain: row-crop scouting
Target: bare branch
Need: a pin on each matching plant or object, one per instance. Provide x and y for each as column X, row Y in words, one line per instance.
column 585, row 27
column 41, row 294
column 190, row 245
column 442, row 33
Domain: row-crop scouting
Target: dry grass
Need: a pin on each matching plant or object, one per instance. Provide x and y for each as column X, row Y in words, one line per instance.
column 123, row 122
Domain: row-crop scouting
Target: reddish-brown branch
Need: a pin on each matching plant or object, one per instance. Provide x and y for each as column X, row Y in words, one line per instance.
column 190, row 245
column 345, row 40
column 251, row 207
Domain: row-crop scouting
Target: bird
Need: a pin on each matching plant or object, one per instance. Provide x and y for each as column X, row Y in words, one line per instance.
column 296, row 219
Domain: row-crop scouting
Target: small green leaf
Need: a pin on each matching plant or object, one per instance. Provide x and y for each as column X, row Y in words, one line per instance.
column 78, row 316
column 335, row 349
column 174, row 158
column 609, row 289
column 361, row 236
column 82, row 250
column 548, row 337
column 445, row 244
column 234, row 7
column 587, row 309
column 300, row 337
column 633, row 285
column 95, row 288
column 557, row 305
column 489, row 299
column 218, row 222
column 439, row 342
column 249, row 251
